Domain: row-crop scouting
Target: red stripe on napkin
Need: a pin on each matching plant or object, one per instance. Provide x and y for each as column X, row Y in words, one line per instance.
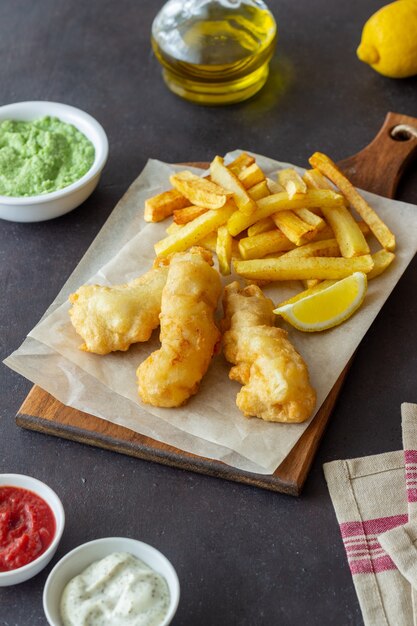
column 372, row 526
column 364, row 552
column 410, row 456
column 366, row 566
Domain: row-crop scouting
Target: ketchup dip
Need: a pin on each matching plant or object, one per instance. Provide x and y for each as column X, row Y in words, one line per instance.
column 27, row 527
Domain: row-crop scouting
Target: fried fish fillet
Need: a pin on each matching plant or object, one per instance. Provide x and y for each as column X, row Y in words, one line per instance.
column 112, row 318
column 274, row 376
column 170, row 375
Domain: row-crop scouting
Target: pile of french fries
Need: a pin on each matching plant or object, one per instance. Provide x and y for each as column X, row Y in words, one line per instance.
column 310, row 228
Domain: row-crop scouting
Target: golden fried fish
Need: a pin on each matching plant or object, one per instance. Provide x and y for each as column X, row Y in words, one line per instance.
column 112, row 318
column 170, row 375
column 274, row 376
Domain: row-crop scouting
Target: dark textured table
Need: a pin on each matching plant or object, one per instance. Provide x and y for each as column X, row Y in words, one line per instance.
column 244, row 556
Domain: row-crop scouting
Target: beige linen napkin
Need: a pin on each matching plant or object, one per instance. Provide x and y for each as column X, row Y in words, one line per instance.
column 401, row 542
column 369, row 498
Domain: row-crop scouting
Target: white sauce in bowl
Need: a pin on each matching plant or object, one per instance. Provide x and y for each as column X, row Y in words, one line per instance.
column 119, row 590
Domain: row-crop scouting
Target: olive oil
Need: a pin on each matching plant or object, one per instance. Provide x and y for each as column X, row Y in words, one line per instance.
column 214, row 51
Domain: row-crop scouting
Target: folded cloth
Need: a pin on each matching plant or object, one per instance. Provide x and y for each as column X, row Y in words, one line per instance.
column 401, row 542
column 401, row 545
column 369, row 497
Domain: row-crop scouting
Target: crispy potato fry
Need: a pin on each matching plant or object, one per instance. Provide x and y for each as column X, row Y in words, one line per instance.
column 303, row 268
column 163, row 205
column 327, row 231
column 327, row 247
column 291, row 181
column 224, row 177
column 173, row 228
column 315, row 180
column 188, row 213
column 194, row 231
column 297, row 231
column 199, row 191
column 312, row 198
column 251, row 176
column 240, row 162
column 261, row 190
column 382, row 259
column 311, row 218
column 281, row 202
column 261, row 227
column 258, row 246
column 274, row 186
column 381, row 231
column 224, row 250
column 347, row 232
column 209, row 242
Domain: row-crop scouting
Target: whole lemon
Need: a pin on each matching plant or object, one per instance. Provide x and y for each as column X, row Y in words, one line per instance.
column 389, row 40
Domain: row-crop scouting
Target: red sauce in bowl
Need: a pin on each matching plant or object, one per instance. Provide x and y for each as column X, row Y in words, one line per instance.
column 27, row 527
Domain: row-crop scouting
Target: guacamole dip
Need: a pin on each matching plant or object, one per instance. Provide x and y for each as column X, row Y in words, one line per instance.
column 41, row 156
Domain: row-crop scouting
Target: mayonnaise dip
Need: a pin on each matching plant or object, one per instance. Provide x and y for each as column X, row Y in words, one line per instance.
column 119, row 590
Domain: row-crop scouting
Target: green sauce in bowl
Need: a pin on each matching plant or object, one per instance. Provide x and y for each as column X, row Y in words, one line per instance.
column 41, row 156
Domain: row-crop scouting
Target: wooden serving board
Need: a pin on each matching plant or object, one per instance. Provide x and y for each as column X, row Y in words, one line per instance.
column 377, row 168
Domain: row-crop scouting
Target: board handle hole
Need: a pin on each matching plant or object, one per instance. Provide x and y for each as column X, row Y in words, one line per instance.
column 403, row 132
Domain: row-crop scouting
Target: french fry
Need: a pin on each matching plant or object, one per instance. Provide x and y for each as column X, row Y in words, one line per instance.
column 303, row 268
column 347, row 232
column 297, row 231
column 261, row 190
column 382, row 259
column 311, row 218
column 291, row 181
column 163, row 205
column 224, row 177
column 209, row 242
column 224, row 250
column 327, row 231
column 240, row 162
column 199, row 191
column 281, row 202
column 173, row 228
column 381, row 231
column 315, row 180
column 312, row 198
column 188, row 213
column 251, row 176
column 261, row 227
column 327, row 247
column 260, row 245
column 194, row 231
column 274, row 186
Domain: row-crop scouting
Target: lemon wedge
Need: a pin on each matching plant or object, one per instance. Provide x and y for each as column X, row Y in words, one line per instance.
column 325, row 305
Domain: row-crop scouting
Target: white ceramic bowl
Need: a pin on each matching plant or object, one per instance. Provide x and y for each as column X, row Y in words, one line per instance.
column 19, row 575
column 78, row 559
column 49, row 205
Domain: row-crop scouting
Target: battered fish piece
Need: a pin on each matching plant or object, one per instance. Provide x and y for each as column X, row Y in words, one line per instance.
column 112, row 318
column 169, row 376
column 274, row 376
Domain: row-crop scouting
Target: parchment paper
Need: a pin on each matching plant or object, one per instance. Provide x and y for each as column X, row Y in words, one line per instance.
column 210, row 424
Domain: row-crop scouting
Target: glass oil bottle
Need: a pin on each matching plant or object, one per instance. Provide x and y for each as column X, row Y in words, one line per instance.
column 214, row 51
